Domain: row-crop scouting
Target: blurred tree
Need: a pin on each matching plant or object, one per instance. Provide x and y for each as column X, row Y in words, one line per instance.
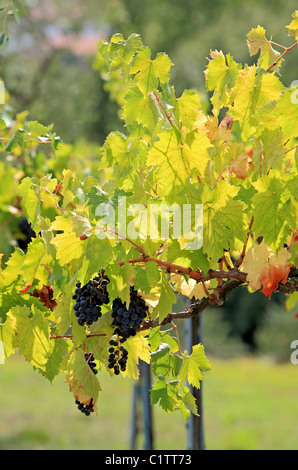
column 52, row 75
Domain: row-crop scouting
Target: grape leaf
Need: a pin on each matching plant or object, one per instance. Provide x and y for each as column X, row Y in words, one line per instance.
column 293, row 26
column 166, row 394
column 287, row 112
column 176, row 163
column 32, row 334
column 68, row 246
column 145, row 277
column 265, row 268
column 138, row 349
column 166, row 301
column 80, row 378
column 257, row 41
column 148, row 73
column 32, row 260
column 193, row 366
column 271, row 219
column 224, row 219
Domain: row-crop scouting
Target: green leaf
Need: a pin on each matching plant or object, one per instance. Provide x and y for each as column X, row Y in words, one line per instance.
column 221, row 75
column 146, row 277
column 17, row 140
column 138, row 349
column 167, row 299
column 33, row 258
column 6, row 337
column 272, row 219
column 36, row 129
column 80, row 378
column 32, row 334
column 97, row 254
column 13, row 267
column 4, row 41
column 193, row 366
column 140, row 109
column 189, row 401
column 120, row 280
column 166, row 395
column 188, row 106
column 224, row 219
column 58, row 352
column 148, row 73
column 63, row 313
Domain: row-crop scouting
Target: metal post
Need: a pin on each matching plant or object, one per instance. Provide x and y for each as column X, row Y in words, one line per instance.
column 147, row 409
column 141, row 396
column 194, row 425
column 134, row 418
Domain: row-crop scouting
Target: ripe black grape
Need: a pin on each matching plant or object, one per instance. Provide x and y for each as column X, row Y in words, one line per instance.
column 27, row 233
column 117, row 358
column 89, row 299
column 90, row 361
column 128, row 320
column 87, row 409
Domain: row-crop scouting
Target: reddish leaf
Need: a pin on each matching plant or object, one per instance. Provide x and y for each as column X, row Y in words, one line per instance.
column 45, row 295
column 25, row 290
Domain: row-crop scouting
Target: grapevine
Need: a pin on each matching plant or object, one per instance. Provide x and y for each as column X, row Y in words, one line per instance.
column 235, row 165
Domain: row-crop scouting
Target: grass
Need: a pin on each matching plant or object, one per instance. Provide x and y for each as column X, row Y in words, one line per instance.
column 248, row 404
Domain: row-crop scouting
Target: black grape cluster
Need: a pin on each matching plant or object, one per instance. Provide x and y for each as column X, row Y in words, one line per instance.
column 91, row 362
column 89, row 299
column 128, row 320
column 87, row 409
column 117, row 358
column 27, row 232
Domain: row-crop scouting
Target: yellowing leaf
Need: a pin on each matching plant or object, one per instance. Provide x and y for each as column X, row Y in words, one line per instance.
column 80, row 378
column 257, row 41
column 293, row 26
column 240, row 166
column 148, row 73
column 177, row 163
column 68, row 247
column 32, row 335
column 190, row 288
column 251, row 92
column 265, row 268
column 287, row 112
column 188, row 108
column 138, row 348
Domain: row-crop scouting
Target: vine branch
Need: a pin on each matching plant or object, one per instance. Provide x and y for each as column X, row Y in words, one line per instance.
column 287, row 49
